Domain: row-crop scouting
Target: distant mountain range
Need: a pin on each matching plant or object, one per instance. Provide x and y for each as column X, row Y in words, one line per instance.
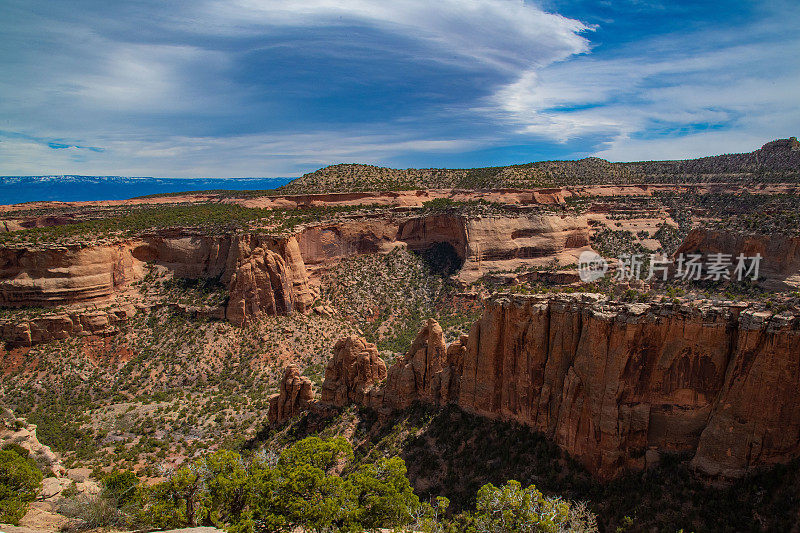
column 71, row 188
column 776, row 161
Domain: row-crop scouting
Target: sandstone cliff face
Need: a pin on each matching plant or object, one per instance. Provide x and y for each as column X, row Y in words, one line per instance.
column 508, row 242
column 296, row 394
column 428, row 372
column 483, row 243
column 354, row 372
column 46, row 328
column 756, row 418
column 326, row 242
column 610, row 383
column 185, row 254
column 780, row 263
column 265, row 275
column 45, row 277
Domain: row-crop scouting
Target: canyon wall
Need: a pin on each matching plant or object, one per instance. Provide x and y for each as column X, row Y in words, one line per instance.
column 780, row 263
column 42, row 277
column 610, row 382
column 267, row 274
column 613, row 384
column 483, row 243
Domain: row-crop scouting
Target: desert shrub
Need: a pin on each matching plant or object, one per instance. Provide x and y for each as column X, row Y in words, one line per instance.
column 120, row 486
column 92, row 512
column 512, row 509
column 381, row 495
column 19, row 484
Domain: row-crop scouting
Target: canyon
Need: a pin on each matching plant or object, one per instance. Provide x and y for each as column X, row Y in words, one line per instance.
column 615, row 385
column 95, row 284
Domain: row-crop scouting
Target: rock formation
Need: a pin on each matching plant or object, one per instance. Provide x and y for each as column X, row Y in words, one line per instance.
column 265, row 275
column 63, row 275
column 610, row 383
column 482, row 243
column 296, row 394
column 49, row 327
column 428, row 372
column 17, row 431
column 259, row 283
column 354, row 372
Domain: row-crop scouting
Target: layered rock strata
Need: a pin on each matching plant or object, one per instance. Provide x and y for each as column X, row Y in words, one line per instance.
column 780, row 263
column 55, row 326
column 64, row 275
column 267, row 274
column 482, row 243
column 614, row 383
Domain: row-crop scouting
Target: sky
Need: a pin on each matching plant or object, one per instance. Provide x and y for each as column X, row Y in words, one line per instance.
column 243, row 88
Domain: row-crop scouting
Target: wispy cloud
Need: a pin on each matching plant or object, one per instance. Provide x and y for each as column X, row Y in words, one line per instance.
column 664, row 98
column 279, row 87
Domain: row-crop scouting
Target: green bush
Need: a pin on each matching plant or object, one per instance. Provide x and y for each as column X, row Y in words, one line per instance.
column 381, row 495
column 20, row 481
column 512, row 509
column 120, row 486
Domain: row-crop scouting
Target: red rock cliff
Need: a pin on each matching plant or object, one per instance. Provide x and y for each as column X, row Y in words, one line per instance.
column 610, row 381
column 615, row 383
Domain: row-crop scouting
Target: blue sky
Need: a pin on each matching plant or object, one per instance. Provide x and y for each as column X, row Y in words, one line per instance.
column 278, row 88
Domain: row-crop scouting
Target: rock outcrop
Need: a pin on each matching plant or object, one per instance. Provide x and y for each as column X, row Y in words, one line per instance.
column 428, row 372
column 482, row 244
column 611, row 383
column 296, row 395
column 43, row 277
column 354, row 372
column 265, row 275
column 259, row 281
column 608, row 382
column 50, row 327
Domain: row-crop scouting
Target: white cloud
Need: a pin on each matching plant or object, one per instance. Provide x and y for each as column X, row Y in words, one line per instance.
column 101, row 80
column 507, row 34
column 145, row 94
column 640, row 99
